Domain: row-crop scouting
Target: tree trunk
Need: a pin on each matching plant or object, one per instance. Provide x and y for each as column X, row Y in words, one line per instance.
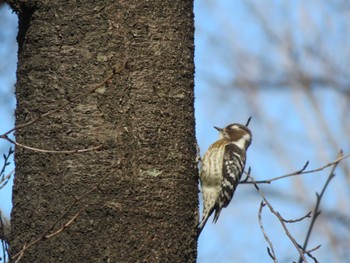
column 133, row 192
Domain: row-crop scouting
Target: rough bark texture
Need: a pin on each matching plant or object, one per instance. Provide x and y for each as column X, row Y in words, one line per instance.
column 146, row 210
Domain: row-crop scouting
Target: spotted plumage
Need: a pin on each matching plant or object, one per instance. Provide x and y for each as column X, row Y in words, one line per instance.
column 222, row 168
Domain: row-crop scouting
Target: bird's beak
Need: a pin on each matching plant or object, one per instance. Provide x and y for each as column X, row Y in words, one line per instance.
column 219, row 129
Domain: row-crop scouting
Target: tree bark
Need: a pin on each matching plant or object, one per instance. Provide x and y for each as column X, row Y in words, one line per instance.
column 135, row 197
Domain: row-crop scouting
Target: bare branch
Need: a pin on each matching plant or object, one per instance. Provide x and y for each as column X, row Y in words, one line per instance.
column 91, row 90
column 65, row 225
column 5, row 179
column 6, row 158
column 46, row 234
column 25, row 247
column 299, row 172
column 49, row 151
column 270, row 249
column 317, row 212
column 308, row 252
column 279, row 217
column 298, row 219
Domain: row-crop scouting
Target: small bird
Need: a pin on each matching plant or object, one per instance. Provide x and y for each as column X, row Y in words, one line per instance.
column 222, row 168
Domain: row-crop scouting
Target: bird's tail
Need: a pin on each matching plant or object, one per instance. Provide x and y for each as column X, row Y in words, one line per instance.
column 202, row 224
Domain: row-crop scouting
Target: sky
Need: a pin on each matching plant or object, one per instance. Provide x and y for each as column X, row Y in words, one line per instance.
column 287, row 128
column 274, row 41
column 8, row 55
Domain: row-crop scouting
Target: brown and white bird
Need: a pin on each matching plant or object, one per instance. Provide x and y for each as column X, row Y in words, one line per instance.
column 222, row 168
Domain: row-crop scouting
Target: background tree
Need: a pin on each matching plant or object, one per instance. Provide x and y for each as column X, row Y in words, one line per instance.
column 105, row 156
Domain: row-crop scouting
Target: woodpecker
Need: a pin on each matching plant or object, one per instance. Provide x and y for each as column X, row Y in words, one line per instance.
column 222, row 168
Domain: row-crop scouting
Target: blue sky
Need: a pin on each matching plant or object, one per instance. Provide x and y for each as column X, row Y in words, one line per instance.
column 288, row 129
column 8, row 53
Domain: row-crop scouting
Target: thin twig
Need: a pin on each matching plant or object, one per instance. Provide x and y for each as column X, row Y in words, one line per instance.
column 317, row 212
column 270, row 249
column 308, row 252
column 91, row 90
column 66, row 224
column 279, row 217
column 42, row 237
column 5, row 179
column 50, row 151
column 21, row 253
column 313, row 249
column 298, row 219
column 299, row 172
column 6, row 158
column 46, row 234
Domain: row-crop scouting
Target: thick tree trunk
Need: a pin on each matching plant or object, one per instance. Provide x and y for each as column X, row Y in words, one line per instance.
column 145, row 208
